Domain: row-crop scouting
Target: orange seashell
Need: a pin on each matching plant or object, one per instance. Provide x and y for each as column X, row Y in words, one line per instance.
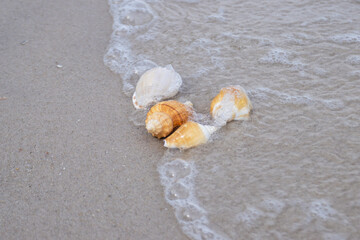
column 190, row 134
column 165, row 116
column 232, row 103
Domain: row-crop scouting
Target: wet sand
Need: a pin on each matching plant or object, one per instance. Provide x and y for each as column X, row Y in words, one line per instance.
column 72, row 165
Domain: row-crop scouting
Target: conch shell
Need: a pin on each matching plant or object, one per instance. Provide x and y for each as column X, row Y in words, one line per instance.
column 190, row 134
column 165, row 116
column 232, row 103
column 155, row 85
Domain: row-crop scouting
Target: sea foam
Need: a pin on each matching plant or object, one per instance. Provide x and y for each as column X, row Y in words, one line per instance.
column 346, row 38
column 130, row 17
column 353, row 59
column 178, row 177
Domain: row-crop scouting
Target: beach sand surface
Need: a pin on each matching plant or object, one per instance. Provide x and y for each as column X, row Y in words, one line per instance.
column 72, row 165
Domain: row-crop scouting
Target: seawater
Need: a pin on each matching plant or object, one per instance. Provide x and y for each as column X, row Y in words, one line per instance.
column 293, row 170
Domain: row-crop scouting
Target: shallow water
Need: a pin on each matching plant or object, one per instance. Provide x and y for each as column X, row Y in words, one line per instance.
column 293, row 170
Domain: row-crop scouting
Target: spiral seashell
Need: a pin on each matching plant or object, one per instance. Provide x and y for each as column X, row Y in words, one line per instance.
column 232, row 103
column 190, row 134
column 155, row 85
column 166, row 116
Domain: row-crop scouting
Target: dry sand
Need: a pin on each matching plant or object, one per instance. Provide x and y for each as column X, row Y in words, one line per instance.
column 72, row 165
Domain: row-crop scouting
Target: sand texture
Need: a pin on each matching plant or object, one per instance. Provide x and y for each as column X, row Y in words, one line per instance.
column 72, row 165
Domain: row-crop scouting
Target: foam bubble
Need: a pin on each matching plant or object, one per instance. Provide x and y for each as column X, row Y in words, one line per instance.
column 346, row 38
column 177, row 191
column 322, row 209
column 273, row 205
column 189, row 213
column 174, row 171
column 283, row 57
column 277, row 55
column 136, row 13
column 353, row 59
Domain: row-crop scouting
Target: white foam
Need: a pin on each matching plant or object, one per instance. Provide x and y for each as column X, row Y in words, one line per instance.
column 130, row 17
column 178, row 178
column 273, row 205
column 178, row 191
column 353, row 59
column 249, row 216
column 219, row 16
column 319, row 71
column 264, row 94
column 322, row 209
column 346, row 38
column 333, row 104
column 281, row 97
column 283, row 57
column 277, row 56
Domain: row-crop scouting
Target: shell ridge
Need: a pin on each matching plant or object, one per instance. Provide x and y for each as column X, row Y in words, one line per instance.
column 177, row 112
column 170, row 114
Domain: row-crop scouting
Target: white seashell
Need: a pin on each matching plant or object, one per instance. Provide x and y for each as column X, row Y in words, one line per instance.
column 155, row 85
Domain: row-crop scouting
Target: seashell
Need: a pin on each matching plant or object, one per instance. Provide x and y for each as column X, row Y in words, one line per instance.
column 232, row 103
column 165, row 116
column 190, row 134
column 155, row 85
